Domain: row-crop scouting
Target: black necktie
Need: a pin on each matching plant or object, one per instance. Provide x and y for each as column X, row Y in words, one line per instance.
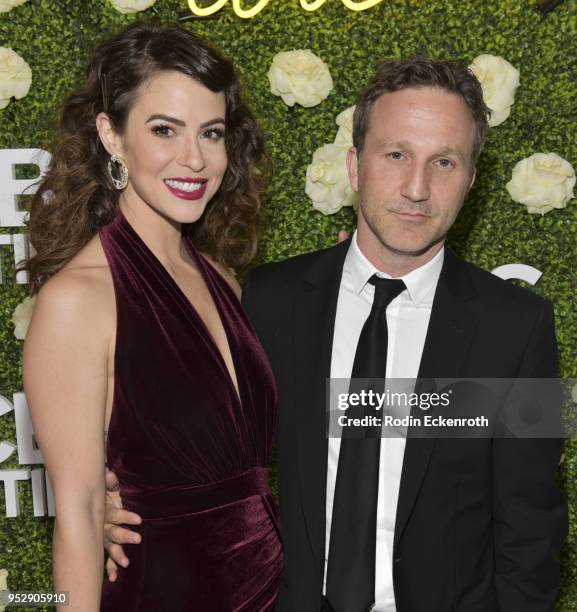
column 351, row 563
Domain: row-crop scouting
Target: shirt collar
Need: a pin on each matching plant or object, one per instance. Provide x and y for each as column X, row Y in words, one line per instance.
column 421, row 282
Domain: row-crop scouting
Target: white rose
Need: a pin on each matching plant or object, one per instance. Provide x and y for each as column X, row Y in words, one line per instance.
column 15, row 76
column 300, row 76
column 3, row 584
column 344, row 136
column 542, row 182
column 131, row 6
column 327, row 182
column 499, row 80
column 8, row 5
column 21, row 317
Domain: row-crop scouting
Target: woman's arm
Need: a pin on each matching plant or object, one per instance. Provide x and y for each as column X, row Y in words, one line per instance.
column 65, row 380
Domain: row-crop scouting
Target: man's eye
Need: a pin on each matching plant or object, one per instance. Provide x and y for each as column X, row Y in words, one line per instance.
column 446, row 163
column 396, row 155
column 162, row 130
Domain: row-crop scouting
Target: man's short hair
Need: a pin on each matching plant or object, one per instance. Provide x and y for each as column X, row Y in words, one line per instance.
column 451, row 75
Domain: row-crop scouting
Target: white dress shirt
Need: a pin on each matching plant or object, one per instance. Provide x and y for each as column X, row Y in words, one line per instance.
column 407, row 321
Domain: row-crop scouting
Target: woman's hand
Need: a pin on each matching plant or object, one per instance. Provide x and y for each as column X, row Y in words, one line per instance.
column 115, row 535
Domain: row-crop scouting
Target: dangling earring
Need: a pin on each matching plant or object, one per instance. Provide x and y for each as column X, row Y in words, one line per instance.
column 122, row 181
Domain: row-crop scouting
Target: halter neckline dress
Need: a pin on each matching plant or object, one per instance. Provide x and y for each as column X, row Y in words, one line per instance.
column 191, row 453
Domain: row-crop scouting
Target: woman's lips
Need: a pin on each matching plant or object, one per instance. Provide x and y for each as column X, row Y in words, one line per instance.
column 187, row 189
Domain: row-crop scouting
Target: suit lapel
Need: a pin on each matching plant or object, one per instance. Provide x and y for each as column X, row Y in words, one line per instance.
column 314, row 321
column 449, row 334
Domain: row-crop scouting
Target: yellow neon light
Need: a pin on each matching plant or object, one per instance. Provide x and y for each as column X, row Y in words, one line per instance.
column 360, row 6
column 209, row 10
column 312, row 6
column 248, row 13
column 307, row 5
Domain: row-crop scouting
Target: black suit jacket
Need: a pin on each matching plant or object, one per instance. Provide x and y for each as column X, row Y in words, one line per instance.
column 480, row 522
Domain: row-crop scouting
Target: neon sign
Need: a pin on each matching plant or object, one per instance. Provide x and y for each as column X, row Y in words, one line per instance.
column 307, row 5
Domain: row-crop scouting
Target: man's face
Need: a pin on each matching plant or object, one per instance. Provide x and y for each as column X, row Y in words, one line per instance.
column 415, row 170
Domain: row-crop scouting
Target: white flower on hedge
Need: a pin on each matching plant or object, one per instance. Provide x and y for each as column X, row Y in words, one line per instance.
column 3, row 585
column 327, row 181
column 499, row 80
column 8, row 5
column 21, row 317
column 131, row 6
column 542, row 182
column 300, row 77
column 344, row 120
column 15, row 76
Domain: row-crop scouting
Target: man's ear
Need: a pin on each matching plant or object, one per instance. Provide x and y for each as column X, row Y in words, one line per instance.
column 472, row 179
column 353, row 168
column 110, row 139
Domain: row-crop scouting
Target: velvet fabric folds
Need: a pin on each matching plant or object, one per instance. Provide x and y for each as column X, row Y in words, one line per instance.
column 190, row 452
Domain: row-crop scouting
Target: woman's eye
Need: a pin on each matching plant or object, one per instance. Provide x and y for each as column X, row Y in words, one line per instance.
column 213, row 133
column 162, row 130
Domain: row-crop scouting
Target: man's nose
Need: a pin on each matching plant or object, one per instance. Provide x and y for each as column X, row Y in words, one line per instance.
column 416, row 185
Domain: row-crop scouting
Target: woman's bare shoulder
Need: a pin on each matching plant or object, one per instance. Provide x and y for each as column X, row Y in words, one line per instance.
column 83, row 283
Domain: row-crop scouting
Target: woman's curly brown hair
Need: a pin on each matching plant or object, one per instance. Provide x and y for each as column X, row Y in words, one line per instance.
column 76, row 197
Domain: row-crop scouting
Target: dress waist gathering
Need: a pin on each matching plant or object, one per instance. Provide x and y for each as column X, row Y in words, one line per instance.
column 175, row 501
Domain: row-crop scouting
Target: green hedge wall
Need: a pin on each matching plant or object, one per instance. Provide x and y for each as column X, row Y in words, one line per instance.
column 55, row 37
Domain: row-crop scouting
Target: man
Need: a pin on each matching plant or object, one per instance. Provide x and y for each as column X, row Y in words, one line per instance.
column 471, row 525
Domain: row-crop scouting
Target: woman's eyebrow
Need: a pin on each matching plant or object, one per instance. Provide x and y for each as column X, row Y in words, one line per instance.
column 183, row 123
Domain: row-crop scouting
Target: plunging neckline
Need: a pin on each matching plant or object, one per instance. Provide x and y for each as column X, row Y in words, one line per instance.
column 201, row 263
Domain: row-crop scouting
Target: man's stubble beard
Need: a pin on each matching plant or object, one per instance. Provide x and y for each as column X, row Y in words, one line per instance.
column 374, row 229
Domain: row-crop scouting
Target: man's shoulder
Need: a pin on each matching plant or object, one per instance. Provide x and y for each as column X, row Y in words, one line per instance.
column 270, row 290
column 288, row 274
column 492, row 288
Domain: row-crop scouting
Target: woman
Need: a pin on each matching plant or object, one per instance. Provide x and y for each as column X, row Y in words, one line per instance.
column 138, row 352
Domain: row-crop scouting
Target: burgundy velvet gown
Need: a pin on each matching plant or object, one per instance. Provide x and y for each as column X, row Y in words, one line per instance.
column 190, row 454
